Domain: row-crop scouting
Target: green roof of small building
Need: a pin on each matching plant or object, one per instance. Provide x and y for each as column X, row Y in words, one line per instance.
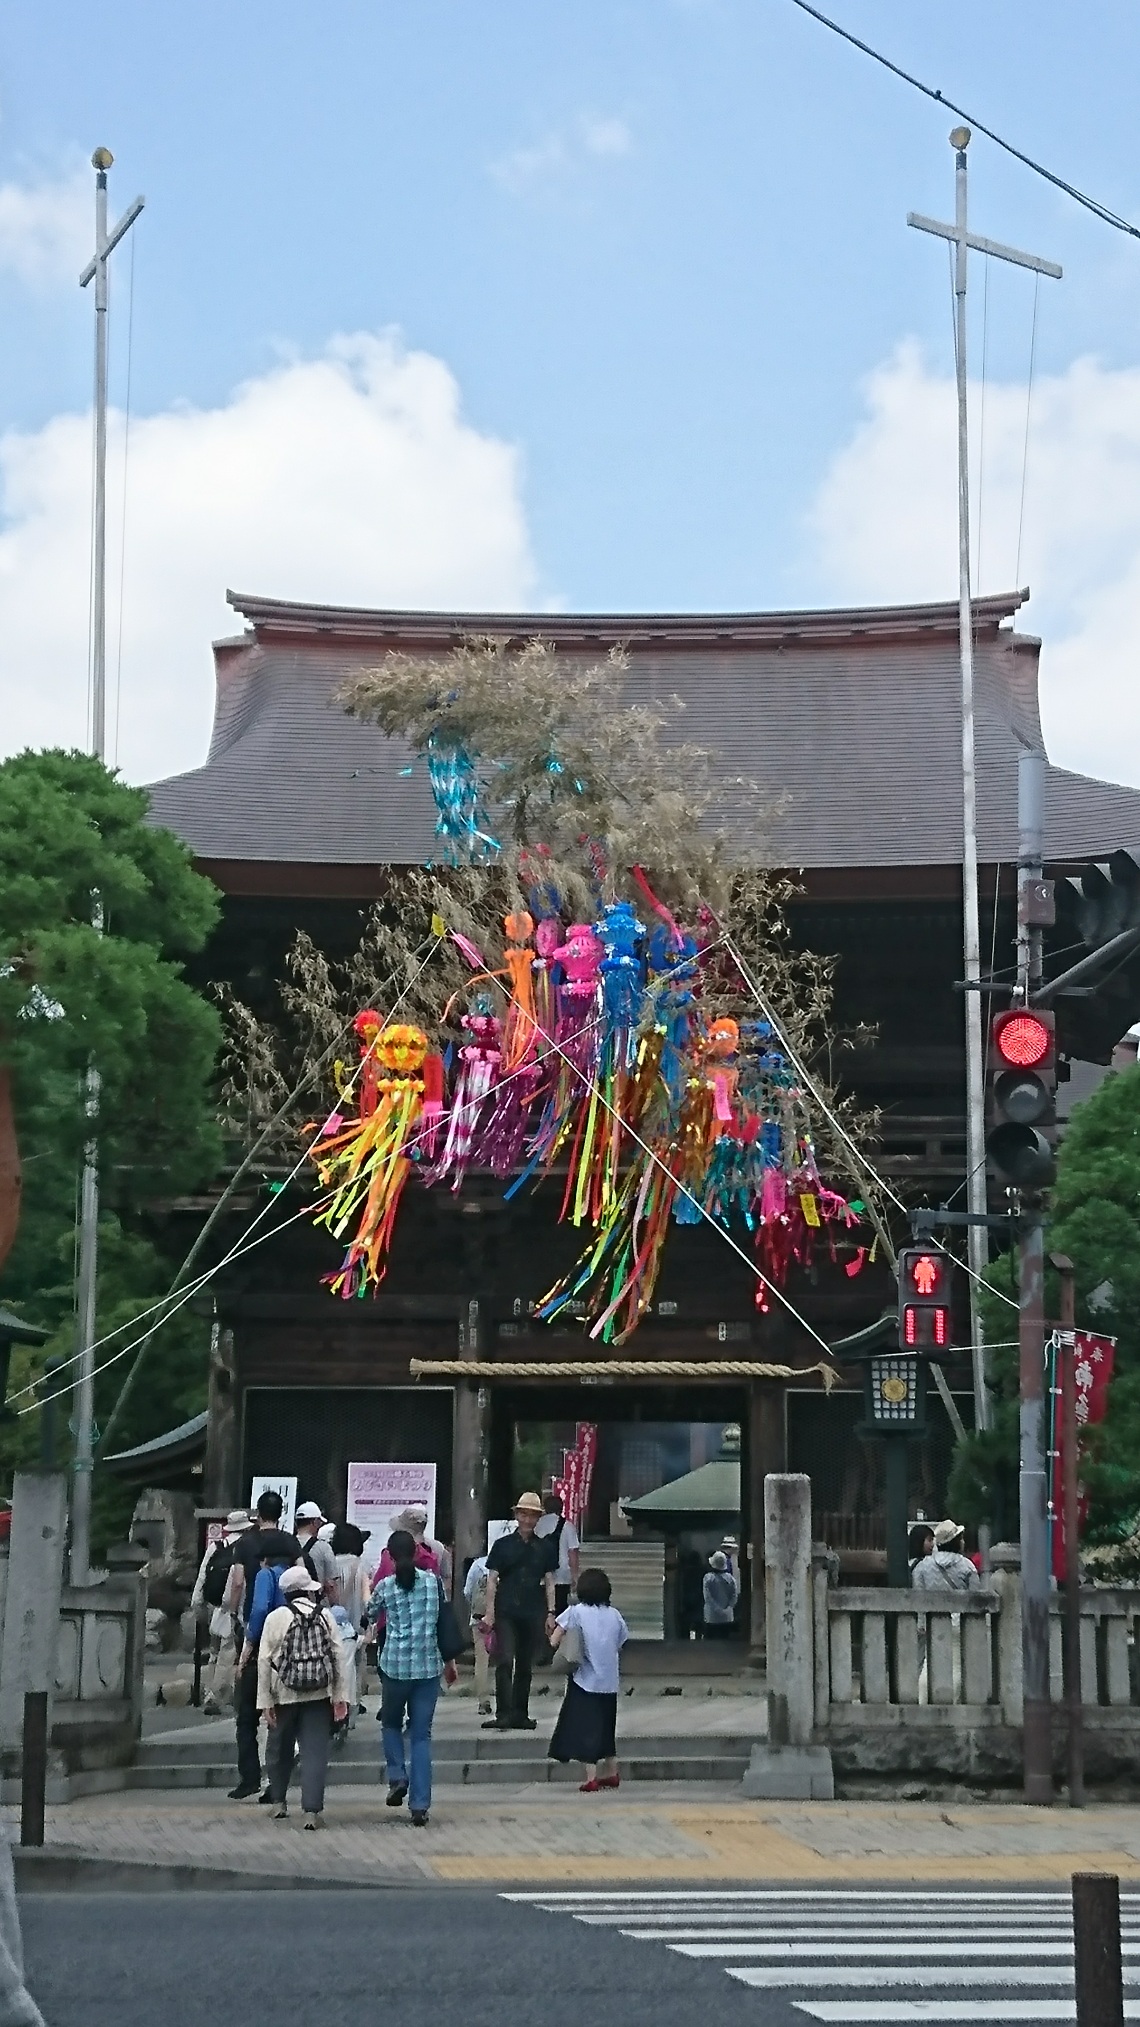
column 711, row 1488
column 17, row 1331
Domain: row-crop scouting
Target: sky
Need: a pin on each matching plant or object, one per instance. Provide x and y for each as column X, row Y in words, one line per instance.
column 503, row 304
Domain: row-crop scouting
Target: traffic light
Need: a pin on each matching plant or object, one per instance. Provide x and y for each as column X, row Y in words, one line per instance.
column 924, row 1299
column 1023, row 1081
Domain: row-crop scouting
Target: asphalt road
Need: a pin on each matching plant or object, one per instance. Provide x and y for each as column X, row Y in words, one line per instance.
column 290, row 1959
column 778, row 1956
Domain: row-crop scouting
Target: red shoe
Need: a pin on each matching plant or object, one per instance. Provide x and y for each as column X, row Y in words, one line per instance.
column 610, row 1781
column 590, row 1787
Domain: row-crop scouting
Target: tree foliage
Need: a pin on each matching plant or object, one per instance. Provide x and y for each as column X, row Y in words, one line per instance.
column 73, row 835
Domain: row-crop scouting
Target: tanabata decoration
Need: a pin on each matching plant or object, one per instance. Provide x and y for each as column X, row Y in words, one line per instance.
column 604, row 1048
column 366, row 1162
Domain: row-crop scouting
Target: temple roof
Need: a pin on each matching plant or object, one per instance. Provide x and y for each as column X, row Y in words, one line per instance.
column 849, row 720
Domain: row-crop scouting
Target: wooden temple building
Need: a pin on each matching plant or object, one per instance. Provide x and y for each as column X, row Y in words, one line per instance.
column 850, row 720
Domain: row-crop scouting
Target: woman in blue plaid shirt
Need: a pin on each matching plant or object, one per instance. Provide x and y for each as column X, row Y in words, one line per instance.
column 410, row 1668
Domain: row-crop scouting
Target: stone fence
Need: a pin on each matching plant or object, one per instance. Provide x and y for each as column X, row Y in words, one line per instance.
column 84, row 1645
column 927, row 1683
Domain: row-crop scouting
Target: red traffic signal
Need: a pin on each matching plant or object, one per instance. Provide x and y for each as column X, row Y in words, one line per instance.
column 1023, row 1077
column 924, row 1299
column 1022, row 1040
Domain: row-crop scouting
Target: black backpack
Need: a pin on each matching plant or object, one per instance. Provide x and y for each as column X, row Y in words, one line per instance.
column 218, row 1572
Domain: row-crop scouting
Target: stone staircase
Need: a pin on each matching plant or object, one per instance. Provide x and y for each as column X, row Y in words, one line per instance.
column 636, row 1569
column 203, row 1757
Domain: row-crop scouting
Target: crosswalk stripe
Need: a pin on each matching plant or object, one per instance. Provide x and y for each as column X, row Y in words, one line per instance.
column 867, row 1977
column 772, row 1932
column 805, row 1894
column 788, row 1951
column 910, row 2013
column 761, row 1920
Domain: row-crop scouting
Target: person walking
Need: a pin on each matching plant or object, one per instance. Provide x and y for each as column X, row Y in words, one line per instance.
column 475, row 1592
column 302, row 1690
column 319, row 1558
column 520, row 1607
column 410, row 1671
column 720, row 1591
column 210, row 1602
column 265, row 1547
column 944, row 1567
column 587, row 1722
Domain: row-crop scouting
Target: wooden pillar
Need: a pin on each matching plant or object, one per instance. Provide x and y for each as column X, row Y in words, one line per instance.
column 221, row 1478
column 469, row 1451
column 767, row 1452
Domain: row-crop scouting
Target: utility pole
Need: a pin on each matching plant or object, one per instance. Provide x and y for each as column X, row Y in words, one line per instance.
column 1037, row 1737
column 84, row 1391
column 976, row 1200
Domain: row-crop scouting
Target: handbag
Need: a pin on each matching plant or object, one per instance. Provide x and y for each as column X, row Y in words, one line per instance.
column 448, row 1636
column 570, row 1651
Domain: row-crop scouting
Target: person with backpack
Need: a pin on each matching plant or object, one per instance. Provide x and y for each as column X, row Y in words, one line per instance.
column 210, row 1601
column 412, row 1600
column 302, row 1690
column 258, row 1601
column 720, row 1591
column 563, row 1533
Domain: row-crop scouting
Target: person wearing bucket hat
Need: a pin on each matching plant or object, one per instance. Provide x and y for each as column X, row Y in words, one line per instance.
column 302, row 1689
column 946, row 1568
column 212, row 1602
column 520, row 1611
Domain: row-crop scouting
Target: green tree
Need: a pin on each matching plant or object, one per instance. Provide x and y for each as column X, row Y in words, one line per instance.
column 1094, row 1217
column 71, row 835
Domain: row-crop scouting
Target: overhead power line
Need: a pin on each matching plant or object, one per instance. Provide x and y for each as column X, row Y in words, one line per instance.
column 1101, row 211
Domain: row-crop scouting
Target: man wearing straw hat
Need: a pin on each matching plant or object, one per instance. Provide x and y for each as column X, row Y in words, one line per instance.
column 519, row 1610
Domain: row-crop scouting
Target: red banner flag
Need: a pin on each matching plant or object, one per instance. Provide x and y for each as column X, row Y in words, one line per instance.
column 1093, row 1360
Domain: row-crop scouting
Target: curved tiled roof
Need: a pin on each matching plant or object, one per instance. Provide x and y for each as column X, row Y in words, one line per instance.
column 851, row 717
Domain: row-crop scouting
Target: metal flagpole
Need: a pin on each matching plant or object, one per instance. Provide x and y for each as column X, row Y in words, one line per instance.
column 1034, row 1526
column 84, row 1392
column 976, row 1201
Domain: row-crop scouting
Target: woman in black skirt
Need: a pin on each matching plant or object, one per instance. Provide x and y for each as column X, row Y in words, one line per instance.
column 587, row 1722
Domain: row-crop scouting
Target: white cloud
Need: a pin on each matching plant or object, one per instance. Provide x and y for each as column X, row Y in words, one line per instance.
column 47, row 230
column 883, row 526
column 351, row 478
column 562, row 152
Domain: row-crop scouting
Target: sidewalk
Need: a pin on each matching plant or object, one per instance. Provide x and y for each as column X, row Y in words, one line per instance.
column 647, row 1831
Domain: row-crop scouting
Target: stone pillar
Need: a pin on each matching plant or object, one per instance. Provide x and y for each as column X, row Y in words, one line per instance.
column 469, row 1454
column 31, row 1605
column 220, row 1479
column 787, row 1558
column 767, row 1453
column 788, row 1766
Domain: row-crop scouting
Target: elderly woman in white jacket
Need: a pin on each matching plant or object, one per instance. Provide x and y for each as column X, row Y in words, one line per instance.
column 302, row 1689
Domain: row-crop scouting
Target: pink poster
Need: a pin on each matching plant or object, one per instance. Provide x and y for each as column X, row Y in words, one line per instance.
column 378, row 1492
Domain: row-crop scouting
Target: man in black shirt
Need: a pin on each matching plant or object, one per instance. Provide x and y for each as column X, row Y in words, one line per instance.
column 520, row 1607
column 265, row 1542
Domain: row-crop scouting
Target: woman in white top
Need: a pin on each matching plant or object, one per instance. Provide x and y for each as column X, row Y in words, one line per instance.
column 587, row 1722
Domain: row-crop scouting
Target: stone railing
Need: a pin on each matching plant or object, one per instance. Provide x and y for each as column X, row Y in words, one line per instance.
column 97, row 1696
column 866, row 1682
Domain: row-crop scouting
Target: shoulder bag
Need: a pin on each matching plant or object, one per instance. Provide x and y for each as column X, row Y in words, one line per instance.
column 570, row 1651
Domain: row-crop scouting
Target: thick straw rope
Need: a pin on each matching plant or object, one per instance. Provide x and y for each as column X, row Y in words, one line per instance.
column 615, row 1368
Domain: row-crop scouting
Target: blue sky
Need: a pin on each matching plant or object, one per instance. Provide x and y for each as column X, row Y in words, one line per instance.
column 660, row 247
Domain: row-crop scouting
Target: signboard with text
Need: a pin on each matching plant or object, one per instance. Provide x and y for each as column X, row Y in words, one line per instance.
column 378, row 1492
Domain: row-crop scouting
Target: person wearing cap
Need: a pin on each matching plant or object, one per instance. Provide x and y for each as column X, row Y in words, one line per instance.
column 212, row 1602
column 301, row 1719
column 319, row 1558
column 260, row 1556
column 719, row 1593
column 945, row 1567
column 520, row 1609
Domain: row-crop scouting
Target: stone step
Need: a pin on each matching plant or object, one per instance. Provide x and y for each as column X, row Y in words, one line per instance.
column 661, row 1764
column 363, row 1747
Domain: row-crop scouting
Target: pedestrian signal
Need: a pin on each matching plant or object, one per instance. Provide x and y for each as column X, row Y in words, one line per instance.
column 924, row 1299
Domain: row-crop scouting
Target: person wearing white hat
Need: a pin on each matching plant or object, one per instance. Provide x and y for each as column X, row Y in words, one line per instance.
column 946, row 1568
column 302, row 1690
column 319, row 1558
column 212, row 1602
